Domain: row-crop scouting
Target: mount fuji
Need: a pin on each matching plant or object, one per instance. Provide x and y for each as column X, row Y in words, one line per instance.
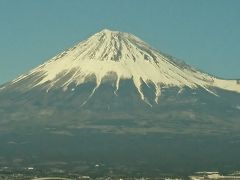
column 119, row 56
column 114, row 83
column 116, row 72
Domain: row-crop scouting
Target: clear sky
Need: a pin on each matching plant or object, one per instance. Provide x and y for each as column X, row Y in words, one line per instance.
column 203, row 33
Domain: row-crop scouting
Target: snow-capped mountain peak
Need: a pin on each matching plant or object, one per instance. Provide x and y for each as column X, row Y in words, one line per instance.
column 113, row 45
column 126, row 57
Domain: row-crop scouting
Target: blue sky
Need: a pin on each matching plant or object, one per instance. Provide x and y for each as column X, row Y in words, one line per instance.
column 203, row 33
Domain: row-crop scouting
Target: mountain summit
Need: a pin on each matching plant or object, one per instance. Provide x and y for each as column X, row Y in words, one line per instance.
column 119, row 56
column 114, row 104
column 116, row 78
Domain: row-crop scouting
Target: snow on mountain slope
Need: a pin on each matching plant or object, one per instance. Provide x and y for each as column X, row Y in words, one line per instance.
column 129, row 58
